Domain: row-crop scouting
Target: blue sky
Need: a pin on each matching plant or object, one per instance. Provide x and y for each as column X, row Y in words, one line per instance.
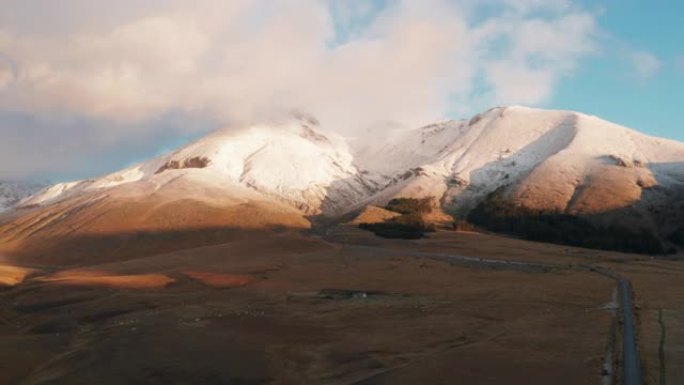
column 606, row 84
column 90, row 86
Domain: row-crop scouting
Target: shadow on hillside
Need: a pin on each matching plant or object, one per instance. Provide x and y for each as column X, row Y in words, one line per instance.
column 505, row 169
column 670, row 215
column 510, row 167
column 636, row 228
column 343, row 201
column 91, row 249
column 643, row 226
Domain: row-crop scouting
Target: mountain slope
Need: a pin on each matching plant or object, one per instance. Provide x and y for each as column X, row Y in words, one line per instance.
column 553, row 162
column 11, row 193
column 143, row 218
column 544, row 155
column 255, row 178
column 557, row 162
column 290, row 162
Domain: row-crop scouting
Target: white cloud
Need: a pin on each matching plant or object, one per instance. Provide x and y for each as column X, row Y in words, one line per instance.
column 536, row 55
column 7, row 71
column 528, row 5
column 645, row 64
column 130, row 62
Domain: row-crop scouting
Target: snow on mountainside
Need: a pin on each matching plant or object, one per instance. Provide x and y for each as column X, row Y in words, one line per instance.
column 557, row 161
column 12, row 193
column 292, row 162
column 607, row 177
column 553, row 160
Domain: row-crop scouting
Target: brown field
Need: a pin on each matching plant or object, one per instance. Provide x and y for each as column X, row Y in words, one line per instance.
column 284, row 308
column 12, row 275
column 96, row 278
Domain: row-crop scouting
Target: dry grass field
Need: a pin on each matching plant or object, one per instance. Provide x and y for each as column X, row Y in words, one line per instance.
column 348, row 308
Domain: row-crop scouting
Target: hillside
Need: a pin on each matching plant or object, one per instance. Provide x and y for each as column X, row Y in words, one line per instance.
column 11, row 193
column 538, row 162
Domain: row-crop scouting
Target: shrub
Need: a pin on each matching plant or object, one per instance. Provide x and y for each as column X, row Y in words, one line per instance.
column 410, row 205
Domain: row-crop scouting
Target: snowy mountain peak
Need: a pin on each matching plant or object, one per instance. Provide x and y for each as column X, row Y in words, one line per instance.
column 12, row 192
column 562, row 161
column 292, row 162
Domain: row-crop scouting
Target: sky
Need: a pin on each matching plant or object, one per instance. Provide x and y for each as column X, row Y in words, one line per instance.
column 91, row 86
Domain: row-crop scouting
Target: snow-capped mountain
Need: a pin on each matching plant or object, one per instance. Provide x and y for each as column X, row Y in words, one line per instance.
column 291, row 162
column 11, row 193
column 549, row 161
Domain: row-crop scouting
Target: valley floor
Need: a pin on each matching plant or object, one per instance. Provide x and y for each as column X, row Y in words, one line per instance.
column 347, row 308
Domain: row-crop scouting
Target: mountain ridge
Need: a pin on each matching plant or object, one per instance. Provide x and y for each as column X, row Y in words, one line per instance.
column 545, row 160
column 13, row 192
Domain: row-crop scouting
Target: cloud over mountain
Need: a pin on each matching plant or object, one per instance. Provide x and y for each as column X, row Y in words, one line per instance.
column 125, row 65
